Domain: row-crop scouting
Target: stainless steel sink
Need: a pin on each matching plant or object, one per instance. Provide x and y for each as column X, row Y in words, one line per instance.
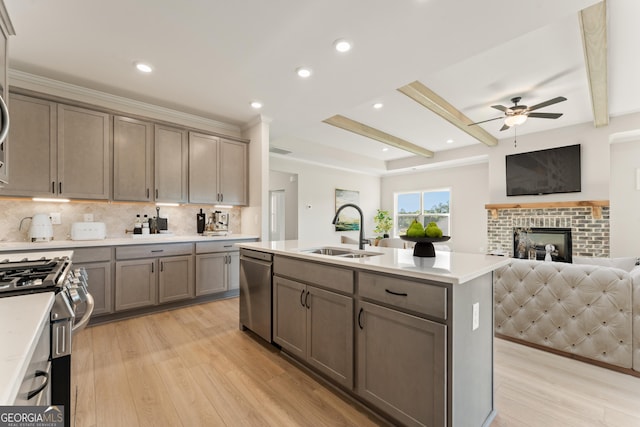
column 340, row 252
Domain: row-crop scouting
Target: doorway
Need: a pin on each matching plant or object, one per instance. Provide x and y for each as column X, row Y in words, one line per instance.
column 277, row 215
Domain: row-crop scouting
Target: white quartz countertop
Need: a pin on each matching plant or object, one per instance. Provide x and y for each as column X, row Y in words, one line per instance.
column 156, row 238
column 447, row 267
column 23, row 318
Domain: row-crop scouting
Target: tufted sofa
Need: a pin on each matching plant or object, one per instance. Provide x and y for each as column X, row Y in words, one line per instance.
column 589, row 312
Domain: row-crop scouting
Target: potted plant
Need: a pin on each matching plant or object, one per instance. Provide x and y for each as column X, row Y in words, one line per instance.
column 384, row 223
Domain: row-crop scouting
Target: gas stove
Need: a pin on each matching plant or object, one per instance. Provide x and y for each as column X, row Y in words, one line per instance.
column 32, row 275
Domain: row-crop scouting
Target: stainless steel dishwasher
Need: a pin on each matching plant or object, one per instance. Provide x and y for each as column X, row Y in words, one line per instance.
column 255, row 292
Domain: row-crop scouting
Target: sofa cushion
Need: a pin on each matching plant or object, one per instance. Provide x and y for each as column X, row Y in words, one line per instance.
column 625, row 263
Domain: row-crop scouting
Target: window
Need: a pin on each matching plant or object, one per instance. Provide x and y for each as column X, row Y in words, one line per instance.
column 427, row 206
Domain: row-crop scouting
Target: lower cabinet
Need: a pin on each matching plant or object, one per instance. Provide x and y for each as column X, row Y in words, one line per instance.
column 401, row 365
column 144, row 282
column 99, row 284
column 316, row 326
column 217, row 267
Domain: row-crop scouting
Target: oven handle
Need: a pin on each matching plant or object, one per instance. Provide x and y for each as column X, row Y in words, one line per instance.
column 86, row 316
column 34, row 393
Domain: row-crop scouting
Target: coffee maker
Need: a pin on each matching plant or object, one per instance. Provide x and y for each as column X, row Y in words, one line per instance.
column 217, row 224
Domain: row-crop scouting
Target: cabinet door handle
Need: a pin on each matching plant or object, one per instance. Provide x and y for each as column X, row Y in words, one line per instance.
column 152, row 266
column 53, row 187
column 400, row 294
column 360, row 318
column 306, row 300
column 147, row 193
column 156, row 193
column 301, row 295
column 60, row 187
column 161, row 266
column 221, row 197
column 34, row 393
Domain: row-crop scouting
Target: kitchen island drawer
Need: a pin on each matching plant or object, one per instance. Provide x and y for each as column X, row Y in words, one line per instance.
column 152, row 251
column 81, row 255
column 418, row 297
column 327, row 276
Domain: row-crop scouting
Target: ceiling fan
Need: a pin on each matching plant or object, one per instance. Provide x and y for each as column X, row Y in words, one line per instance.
column 518, row 114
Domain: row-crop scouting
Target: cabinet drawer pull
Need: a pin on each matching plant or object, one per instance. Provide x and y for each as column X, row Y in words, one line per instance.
column 301, row 295
column 400, row 294
column 34, row 393
column 157, row 250
column 228, row 246
column 360, row 318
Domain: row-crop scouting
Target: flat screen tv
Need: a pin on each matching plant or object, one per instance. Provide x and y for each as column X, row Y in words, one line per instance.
column 555, row 170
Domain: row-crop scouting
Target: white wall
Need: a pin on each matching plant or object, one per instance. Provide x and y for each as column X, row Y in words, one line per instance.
column 316, row 198
column 625, row 199
column 469, row 194
column 287, row 182
column 255, row 216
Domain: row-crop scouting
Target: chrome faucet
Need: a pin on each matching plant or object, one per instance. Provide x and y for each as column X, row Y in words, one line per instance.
column 361, row 240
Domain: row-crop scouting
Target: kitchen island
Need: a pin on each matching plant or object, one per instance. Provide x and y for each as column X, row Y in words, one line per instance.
column 409, row 337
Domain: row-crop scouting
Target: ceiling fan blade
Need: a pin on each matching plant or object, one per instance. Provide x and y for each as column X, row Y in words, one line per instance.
column 545, row 115
column 500, row 107
column 547, row 103
column 504, row 127
column 484, row 121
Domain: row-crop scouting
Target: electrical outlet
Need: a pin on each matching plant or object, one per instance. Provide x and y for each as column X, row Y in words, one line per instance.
column 476, row 316
column 88, row 217
column 55, row 218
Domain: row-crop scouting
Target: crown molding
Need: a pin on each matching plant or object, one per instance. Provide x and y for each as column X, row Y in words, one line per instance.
column 67, row 90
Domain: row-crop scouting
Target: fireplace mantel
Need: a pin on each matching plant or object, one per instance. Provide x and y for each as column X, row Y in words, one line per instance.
column 596, row 206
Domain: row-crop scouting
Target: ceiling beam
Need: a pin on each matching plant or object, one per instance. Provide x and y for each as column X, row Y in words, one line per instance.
column 431, row 100
column 593, row 26
column 361, row 129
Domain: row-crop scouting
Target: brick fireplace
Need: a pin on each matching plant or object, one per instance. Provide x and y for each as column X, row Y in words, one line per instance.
column 587, row 220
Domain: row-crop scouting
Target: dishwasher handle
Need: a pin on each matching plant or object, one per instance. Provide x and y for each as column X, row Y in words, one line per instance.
column 244, row 259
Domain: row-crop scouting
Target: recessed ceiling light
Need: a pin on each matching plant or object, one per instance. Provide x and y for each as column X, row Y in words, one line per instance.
column 145, row 68
column 256, row 104
column 378, row 105
column 342, row 45
column 303, row 72
column 449, row 141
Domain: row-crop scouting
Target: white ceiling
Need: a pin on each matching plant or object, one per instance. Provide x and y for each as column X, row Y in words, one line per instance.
column 213, row 57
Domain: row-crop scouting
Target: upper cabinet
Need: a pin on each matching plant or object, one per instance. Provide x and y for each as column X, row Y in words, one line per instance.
column 6, row 30
column 132, row 160
column 170, row 164
column 57, row 150
column 217, row 170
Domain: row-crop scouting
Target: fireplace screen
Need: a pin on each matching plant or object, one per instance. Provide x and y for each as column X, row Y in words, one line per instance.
column 532, row 243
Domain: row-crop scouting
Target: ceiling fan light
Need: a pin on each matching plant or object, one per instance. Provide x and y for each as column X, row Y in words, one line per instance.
column 515, row 120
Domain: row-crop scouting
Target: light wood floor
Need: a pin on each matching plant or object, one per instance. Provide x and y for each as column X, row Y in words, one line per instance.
column 193, row 367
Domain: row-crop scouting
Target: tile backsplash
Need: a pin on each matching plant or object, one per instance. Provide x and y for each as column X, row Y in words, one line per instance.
column 117, row 216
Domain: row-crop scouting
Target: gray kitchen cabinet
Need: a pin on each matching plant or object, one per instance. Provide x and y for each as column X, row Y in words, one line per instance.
column 401, row 365
column 171, row 159
column 6, row 30
column 58, row 150
column 151, row 274
column 315, row 325
column 132, row 159
column 97, row 263
column 136, row 283
column 217, row 170
column 175, row 278
column 83, row 153
column 33, row 151
column 217, row 267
